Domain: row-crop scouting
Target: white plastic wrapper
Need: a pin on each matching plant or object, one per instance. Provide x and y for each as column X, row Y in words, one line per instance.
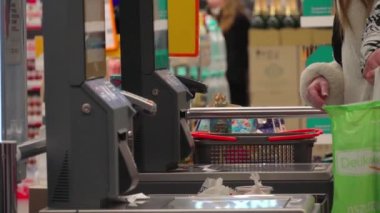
column 207, row 168
column 215, row 187
column 135, row 199
column 256, row 189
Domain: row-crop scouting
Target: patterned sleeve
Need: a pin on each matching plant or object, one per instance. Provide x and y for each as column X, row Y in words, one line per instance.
column 371, row 35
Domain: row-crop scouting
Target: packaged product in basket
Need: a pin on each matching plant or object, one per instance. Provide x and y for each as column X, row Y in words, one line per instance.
column 203, row 125
column 220, row 125
column 265, row 125
column 282, row 125
column 243, row 126
column 273, row 125
column 277, row 125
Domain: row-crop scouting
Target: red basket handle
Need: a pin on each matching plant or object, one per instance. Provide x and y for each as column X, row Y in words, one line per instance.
column 304, row 134
column 208, row 136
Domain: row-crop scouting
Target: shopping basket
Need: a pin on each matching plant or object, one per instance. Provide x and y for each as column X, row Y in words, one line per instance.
column 288, row 147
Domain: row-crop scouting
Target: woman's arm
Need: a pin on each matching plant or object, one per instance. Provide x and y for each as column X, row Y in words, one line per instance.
column 371, row 41
column 319, row 77
column 333, row 74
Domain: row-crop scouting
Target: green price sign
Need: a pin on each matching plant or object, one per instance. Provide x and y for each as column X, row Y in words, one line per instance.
column 161, row 34
column 317, row 7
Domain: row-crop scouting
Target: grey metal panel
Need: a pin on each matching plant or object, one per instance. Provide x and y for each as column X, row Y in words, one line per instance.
column 63, row 29
column 88, row 164
column 57, row 71
column 89, row 148
column 292, row 173
column 119, row 118
column 8, row 177
column 235, row 176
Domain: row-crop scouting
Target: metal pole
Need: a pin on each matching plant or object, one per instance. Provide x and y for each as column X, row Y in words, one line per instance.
column 31, row 148
column 8, row 177
column 141, row 103
column 252, row 112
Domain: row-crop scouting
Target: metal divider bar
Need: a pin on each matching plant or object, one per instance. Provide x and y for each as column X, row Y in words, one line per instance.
column 253, row 112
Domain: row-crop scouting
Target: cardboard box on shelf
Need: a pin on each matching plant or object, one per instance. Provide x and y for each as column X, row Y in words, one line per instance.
column 274, row 78
column 38, row 198
column 321, row 36
column 287, row 37
column 258, row 38
column 296, row 36
column 274, row 75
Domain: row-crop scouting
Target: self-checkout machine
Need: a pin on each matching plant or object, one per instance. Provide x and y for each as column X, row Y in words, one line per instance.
column 158, row 137
column 90, row 165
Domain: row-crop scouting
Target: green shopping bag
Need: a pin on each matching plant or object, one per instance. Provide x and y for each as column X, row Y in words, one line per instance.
column 356, row 146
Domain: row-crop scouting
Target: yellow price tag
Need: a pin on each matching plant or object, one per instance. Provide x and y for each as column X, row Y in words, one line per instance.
column 183, row 27
column 39, row 46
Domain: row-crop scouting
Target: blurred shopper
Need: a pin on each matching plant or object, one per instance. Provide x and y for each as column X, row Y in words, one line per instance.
column 235, row 25
column 350, row 77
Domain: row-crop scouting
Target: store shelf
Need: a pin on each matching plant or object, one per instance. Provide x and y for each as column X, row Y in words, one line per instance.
column 317, row 21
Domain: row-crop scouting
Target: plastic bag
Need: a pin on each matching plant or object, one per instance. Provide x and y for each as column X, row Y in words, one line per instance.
column 356, row 146
column 215, row 187
column 256, row 189
column 134, row 200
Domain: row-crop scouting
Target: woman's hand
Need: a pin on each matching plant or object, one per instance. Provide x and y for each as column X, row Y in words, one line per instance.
column 318, row 91
column 373, row 62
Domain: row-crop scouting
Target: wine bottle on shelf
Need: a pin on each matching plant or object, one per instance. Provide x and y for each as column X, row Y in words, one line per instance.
column 295, row 12
column 264, row 9
column 257, row 20
column 289, row 21
column 273, row 21
column 279, row 9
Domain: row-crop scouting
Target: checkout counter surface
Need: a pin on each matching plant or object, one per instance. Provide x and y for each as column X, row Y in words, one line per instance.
column 284, row 178
column 242, row 204
column 242, row 172
column 296, row 179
